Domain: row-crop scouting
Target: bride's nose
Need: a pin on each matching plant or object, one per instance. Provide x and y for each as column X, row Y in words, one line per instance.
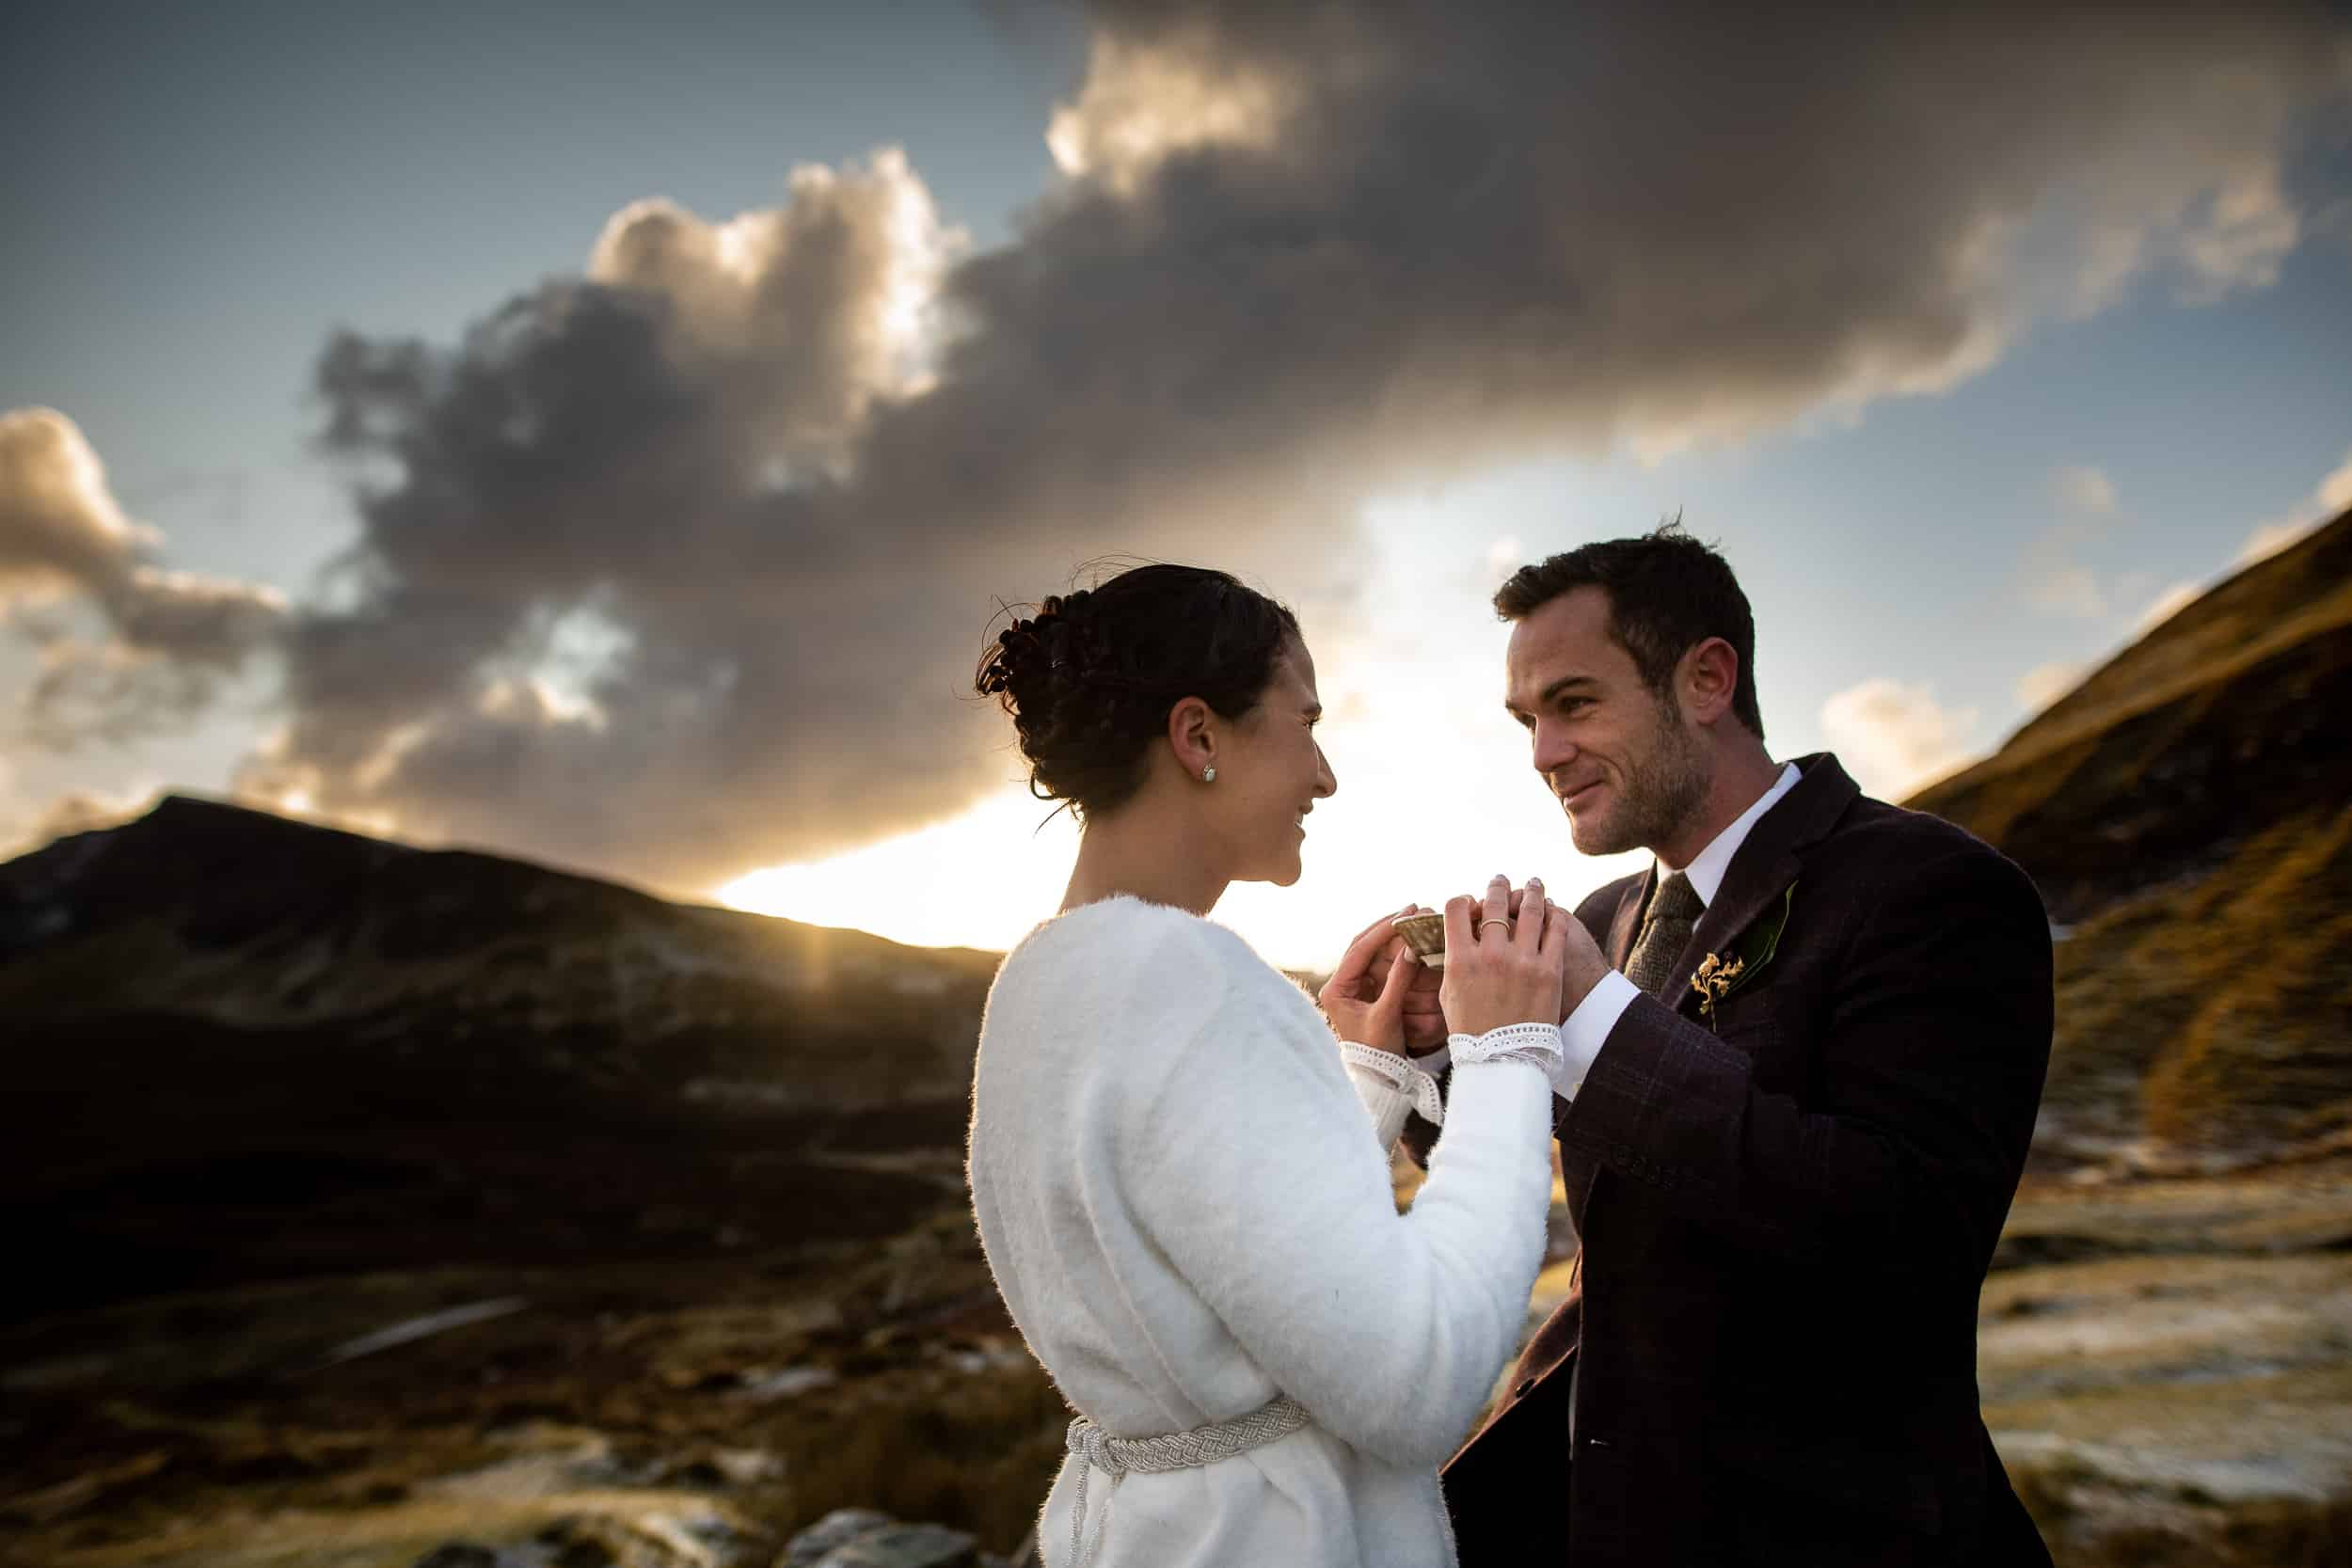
column 1327, row 782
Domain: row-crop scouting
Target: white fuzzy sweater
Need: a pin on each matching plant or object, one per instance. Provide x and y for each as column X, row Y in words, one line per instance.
column 1187, row 1212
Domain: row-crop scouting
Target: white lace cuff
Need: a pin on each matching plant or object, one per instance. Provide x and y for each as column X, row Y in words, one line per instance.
column 1536, row 1044
column 1390, row 1086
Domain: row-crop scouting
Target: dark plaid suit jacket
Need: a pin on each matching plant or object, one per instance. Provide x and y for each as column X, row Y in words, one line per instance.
column 1786, row 1213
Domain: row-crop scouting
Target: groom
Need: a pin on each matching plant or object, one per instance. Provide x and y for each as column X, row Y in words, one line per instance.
column 1804, row 1055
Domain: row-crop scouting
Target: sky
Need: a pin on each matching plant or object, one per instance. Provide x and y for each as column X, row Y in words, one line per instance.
column 607, row 434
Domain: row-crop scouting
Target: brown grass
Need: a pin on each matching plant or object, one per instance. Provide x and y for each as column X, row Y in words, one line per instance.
column 2220, row 1011
column 975, row 1452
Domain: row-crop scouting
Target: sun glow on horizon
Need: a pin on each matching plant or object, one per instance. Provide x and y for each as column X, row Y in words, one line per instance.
column 1434, row 797
column 979, row 879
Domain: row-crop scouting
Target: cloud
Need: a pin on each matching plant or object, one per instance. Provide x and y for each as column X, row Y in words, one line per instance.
column 2052, row 577
column 2066, row 587
column 2327, row 500
column 2245, row 227
column 2334, row 494
column 2331, row 499
column 775, row 470
column 61, row 528
column 2044, row 683
column 78, row 812
column 2268, row 539
column 2084, row 489
column 1896, row 737
column 1179, row 91
column 170, row 637
column 2166, row 604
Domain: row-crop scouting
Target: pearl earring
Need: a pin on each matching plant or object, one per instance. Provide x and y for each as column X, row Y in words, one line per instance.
column 1208, row 774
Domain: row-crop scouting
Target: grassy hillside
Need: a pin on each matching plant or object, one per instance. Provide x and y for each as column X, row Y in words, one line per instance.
column 2166, row 1344
column 2185, row 812
column 2214, row 1012
column 2229, row 719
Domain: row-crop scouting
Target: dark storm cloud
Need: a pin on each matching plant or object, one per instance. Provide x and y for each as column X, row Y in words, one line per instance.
column 675, row 569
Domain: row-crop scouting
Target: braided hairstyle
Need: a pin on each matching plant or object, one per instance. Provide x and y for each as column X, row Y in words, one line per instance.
column 1089, row 678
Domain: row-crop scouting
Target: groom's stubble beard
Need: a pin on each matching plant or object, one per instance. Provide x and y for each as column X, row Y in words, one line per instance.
column 1665, row 787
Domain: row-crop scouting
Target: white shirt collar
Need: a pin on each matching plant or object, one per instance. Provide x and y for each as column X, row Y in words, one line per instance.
column 1705, row 871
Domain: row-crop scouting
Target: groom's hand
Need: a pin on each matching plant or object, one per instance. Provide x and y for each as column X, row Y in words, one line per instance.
column 1582, row 966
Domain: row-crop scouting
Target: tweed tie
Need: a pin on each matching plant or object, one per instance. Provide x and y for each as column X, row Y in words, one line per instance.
column 1674, row 910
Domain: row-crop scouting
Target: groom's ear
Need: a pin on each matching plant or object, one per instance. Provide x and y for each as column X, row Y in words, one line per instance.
column 1708, row 680
column 1191, row 735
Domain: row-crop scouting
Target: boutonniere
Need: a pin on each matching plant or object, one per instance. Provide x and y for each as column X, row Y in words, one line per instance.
column 1719, row 975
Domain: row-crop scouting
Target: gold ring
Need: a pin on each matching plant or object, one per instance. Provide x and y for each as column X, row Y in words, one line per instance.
column 1484, row 924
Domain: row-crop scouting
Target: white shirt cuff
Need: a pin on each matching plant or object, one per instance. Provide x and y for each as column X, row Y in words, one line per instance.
column 1587, row 1030
column 1580, row 1038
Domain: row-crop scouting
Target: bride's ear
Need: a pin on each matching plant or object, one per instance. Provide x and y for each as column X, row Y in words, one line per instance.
column 1191, row 735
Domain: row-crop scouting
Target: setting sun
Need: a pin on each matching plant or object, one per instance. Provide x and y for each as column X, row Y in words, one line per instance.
column 1434, row 797
column 975, row 880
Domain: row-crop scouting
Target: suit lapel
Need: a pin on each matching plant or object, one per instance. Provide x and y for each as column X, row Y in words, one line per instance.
column 1750, row 885
column 1629, row 918
column 1764, row 865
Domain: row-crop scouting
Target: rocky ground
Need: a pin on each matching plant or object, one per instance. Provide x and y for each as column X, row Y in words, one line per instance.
column 2167, row 1366
column 2166, row 1358
column 657, row 1417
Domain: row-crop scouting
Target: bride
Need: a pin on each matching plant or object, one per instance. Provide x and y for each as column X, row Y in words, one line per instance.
column 1187, row 1211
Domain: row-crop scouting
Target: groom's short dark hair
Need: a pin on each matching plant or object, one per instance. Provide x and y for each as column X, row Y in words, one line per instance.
column 1667, row 593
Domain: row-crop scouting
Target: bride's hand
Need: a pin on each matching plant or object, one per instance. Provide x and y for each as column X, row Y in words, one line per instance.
column 1365, row 997
column 1513, row 975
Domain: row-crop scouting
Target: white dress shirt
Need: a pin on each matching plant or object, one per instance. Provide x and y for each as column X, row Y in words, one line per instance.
column 1586, row 1030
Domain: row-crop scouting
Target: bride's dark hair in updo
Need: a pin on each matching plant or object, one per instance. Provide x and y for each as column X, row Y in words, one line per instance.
column 1091, row 677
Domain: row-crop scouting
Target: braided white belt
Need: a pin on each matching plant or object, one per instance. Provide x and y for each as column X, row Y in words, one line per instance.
column 1180, row 1450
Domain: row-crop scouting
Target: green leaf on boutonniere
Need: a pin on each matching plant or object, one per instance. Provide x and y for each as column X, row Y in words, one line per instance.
column 1720, row 974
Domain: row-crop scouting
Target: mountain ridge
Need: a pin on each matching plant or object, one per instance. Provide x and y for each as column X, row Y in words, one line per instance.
column 2126, row 779
column 246, row 1047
